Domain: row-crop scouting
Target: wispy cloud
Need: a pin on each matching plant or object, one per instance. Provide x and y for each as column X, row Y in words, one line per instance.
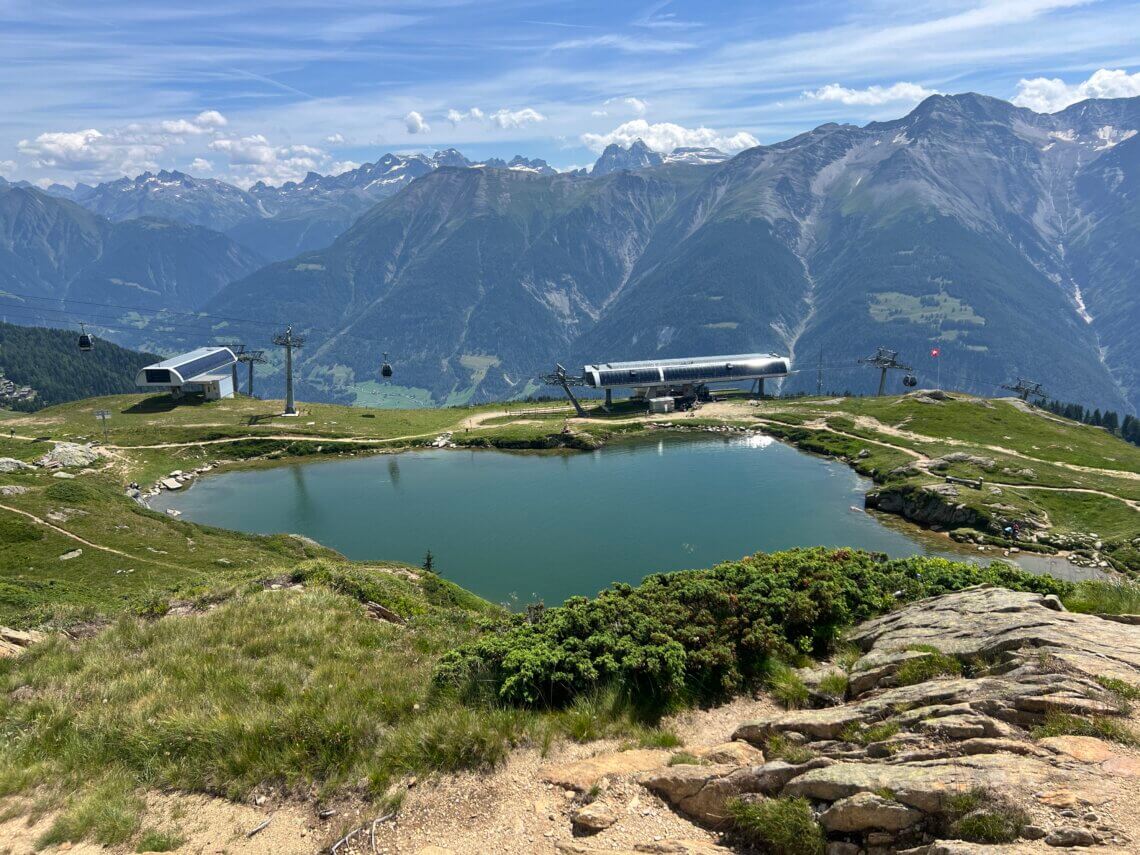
column 625, row 44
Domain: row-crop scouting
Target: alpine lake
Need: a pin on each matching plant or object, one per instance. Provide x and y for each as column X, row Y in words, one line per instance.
column 517, row 528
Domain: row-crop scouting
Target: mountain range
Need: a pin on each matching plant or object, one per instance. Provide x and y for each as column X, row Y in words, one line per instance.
column 1000, row 237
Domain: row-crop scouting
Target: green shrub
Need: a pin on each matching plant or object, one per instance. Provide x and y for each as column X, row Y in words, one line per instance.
column 703, row 635
column 15, row 530
column 783, row 826
column 69, row 492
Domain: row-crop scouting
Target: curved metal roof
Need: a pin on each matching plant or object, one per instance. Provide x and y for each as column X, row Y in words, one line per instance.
column 187, row 367
column 692, row 370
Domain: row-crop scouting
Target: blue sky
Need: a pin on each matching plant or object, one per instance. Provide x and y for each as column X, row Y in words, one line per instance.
column 247, row 90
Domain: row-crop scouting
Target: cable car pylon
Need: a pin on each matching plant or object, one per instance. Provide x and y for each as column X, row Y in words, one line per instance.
column 887, row 360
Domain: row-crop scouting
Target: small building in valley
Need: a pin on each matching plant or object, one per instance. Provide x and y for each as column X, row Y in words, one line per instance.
column 206, row 371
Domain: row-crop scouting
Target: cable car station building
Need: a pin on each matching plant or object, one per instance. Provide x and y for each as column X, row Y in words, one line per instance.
column 665, row 384
column 207, row 371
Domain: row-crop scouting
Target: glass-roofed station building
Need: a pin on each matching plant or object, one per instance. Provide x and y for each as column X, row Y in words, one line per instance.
column 205, row 371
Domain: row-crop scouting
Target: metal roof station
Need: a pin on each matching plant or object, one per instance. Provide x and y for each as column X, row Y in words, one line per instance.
column 692, row 371
column 668, row 383
column 206, row 370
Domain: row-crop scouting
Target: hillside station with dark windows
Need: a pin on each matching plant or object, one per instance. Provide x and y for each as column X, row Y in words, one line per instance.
column 207, row 371
column 668, row 384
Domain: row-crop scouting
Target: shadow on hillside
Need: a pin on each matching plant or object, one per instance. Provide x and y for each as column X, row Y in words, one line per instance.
column 162, row 404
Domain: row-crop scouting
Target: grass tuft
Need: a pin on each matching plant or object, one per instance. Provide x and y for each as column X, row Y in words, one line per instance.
column 684, row 758
column 779, row 747
column 782, row 826
column 1106, row 598
column 921, row 669
column 1063, row 724
column 980, row 816
column 834, row 686
column 157, row 840
column 786, row 686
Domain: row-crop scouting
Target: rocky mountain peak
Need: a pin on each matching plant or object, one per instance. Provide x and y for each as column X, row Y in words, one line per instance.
column 637, row 156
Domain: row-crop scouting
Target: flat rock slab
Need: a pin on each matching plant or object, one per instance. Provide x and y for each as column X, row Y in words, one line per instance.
column 662, row 847
column 1087, row 749
column 583, row 774
column 928, row 785
column 985, row 622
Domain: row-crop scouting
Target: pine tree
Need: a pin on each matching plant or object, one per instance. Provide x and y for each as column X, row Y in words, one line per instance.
column 429, row 562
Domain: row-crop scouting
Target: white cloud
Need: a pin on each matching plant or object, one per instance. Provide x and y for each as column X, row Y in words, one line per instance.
column 200, row 165
column 872, row 96
column 517, row 118
column 341, row 166
column 415, row 123
column 335, row 139
column 257, row 159
column 8, row 166
column 245, row 151
column 211, row 119
column 204, row 122
column 457, row 116
column 93, row 151
column 1048, row 95
column 665, row 136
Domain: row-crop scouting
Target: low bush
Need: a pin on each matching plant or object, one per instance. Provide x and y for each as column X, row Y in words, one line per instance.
column 783, row 826
column 69, row 492
column 703, row 635
column 16, row 530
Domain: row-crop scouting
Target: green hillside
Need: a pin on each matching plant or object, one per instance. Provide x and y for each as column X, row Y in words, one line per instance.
column 181, row 658
column 50, row 362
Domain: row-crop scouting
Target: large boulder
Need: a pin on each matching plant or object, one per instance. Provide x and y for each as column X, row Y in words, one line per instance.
column 10, row 464
column 69, row 454
column 865, row 811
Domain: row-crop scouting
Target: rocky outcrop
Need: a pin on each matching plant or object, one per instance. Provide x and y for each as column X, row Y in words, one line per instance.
column 10, row 464
column 928, row 505
column 914, row 763
column 69, row 455
column 13, row 642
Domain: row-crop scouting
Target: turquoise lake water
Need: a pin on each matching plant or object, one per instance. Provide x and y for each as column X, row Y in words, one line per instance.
column 519, row 528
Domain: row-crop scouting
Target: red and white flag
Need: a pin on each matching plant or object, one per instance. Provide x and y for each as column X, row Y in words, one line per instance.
column 934, row 351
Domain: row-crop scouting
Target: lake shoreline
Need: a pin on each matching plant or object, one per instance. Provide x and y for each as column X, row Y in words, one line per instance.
column 923, row 539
